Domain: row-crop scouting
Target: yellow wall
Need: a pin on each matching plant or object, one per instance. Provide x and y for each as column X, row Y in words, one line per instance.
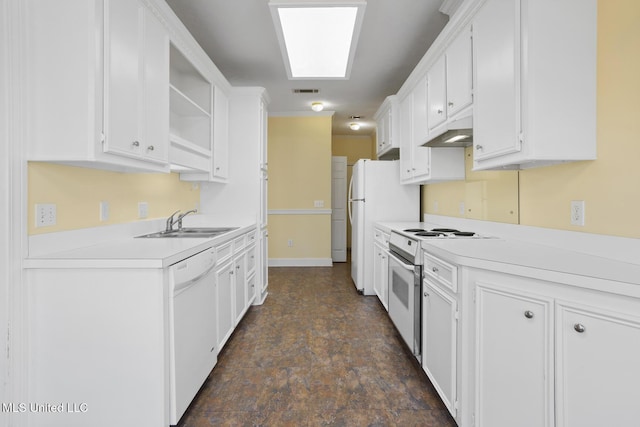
column 299, row 174
column 609, row 185
column 486, row 195
column 77, row 193
column 353, row 148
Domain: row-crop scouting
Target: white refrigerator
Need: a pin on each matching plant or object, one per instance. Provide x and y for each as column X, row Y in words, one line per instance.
column 375, row 194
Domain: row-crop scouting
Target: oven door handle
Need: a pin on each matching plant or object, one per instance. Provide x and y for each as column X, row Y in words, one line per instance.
column 402, row 262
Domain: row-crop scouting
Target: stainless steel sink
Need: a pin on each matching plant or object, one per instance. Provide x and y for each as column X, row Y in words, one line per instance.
column 198, row 232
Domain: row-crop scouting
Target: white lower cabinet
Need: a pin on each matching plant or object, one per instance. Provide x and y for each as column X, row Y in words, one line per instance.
column 547, row 354
column 381, row 274
column 513, row 358
column 440, row 341
column 598, row 369
column 224, row 301
column 240, row 279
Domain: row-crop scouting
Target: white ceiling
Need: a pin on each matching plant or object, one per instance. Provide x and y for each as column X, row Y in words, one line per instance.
column 240, row 38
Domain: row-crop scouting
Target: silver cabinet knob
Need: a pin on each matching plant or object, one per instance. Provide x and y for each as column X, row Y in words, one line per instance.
column 579, row 327
column 135, row 143
column 528, row 314
column 434, row 269
column 151, row 148
column 440, row 111
column 450, row 104
column 426, row 294
column 478, row 147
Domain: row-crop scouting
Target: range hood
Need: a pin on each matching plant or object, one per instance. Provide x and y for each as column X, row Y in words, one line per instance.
column 453, row 133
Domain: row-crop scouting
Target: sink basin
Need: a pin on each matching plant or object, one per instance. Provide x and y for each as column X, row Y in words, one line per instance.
column 199, row 232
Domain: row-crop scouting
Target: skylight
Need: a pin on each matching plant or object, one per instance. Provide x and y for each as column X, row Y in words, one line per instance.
column 317, row 37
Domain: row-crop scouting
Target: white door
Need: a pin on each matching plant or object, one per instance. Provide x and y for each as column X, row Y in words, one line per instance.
column 339, row 208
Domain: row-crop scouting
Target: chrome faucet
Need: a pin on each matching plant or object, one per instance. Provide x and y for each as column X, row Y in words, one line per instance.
column 179, row 220
column 170, row 221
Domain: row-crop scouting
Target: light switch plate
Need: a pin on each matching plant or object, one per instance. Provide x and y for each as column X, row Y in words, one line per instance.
column 104, row 210
column 46, row 214
column 143, row 210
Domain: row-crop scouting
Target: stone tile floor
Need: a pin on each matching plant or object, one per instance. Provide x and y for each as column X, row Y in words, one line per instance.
column 316, row 353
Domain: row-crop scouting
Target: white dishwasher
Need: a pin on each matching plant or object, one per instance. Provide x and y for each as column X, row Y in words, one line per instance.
column 193, row 352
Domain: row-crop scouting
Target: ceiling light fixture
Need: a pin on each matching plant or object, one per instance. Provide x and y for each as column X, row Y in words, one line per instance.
column 318, row 37
column 354, row 126
column 317, row 106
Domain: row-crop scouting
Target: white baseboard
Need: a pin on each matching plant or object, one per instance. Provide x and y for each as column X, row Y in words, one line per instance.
column 300, row 262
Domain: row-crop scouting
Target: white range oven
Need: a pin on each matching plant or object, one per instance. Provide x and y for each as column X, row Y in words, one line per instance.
column 405, row 279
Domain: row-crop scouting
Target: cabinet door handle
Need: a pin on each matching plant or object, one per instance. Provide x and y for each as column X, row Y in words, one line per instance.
column 528, row 314
column 579, row 327
column 151, row 148
column 135, row 143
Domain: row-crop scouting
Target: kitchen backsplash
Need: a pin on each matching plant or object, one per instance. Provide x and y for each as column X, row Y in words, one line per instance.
column 78, row 193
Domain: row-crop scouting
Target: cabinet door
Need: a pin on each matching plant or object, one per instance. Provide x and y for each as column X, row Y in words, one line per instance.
column 123, row 74
column 597, row 355
column 514, row 359
column 406, row 152
column 240, row 266
column 155, row 140
column 436, row 78
column 220, row 136
column 459, row 73
column 378, row 273
column 496, row 59
column 439, row 342
column 224, row 302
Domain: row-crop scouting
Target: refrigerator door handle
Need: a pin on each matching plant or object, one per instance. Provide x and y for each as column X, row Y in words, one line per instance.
column 349, row 201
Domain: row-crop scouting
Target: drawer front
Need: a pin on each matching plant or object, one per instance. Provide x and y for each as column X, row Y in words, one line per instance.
column 224, row 251
column 239, row 243
column 251, row 258
column 251, row 237
column 445, row 273
column 381, row 237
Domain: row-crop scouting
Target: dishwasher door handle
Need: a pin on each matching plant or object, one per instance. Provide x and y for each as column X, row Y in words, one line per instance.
column 181, row 287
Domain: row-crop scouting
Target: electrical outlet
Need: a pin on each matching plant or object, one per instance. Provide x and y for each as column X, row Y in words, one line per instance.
column 461, row 209
column 577, row 212
column 143, row 210
column 290, row 243
column 318, row 203
column 45, row 214
column 435, row 206
column 104, row 210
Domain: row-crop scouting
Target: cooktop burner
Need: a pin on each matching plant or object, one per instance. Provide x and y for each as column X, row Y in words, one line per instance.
column 445, row 230
column 430, row 234
column 414, row 230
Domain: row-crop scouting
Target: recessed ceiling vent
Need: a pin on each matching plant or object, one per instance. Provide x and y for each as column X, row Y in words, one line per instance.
column 305, row 90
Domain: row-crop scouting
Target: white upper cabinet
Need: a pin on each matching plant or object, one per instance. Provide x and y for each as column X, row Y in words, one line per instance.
column 98, row 74
column 136, row 76
column 418, row 164
column 534, row 82
column 387, row 125
column 459, row 74
column 125, row 88
column 449, row 83
column 436, row 80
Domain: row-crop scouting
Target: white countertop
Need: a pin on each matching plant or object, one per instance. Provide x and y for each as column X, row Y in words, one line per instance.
column 533, row 260
column 132, row 252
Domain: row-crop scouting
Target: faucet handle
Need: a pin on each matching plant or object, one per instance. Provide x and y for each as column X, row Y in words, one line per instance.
column 170, row 220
